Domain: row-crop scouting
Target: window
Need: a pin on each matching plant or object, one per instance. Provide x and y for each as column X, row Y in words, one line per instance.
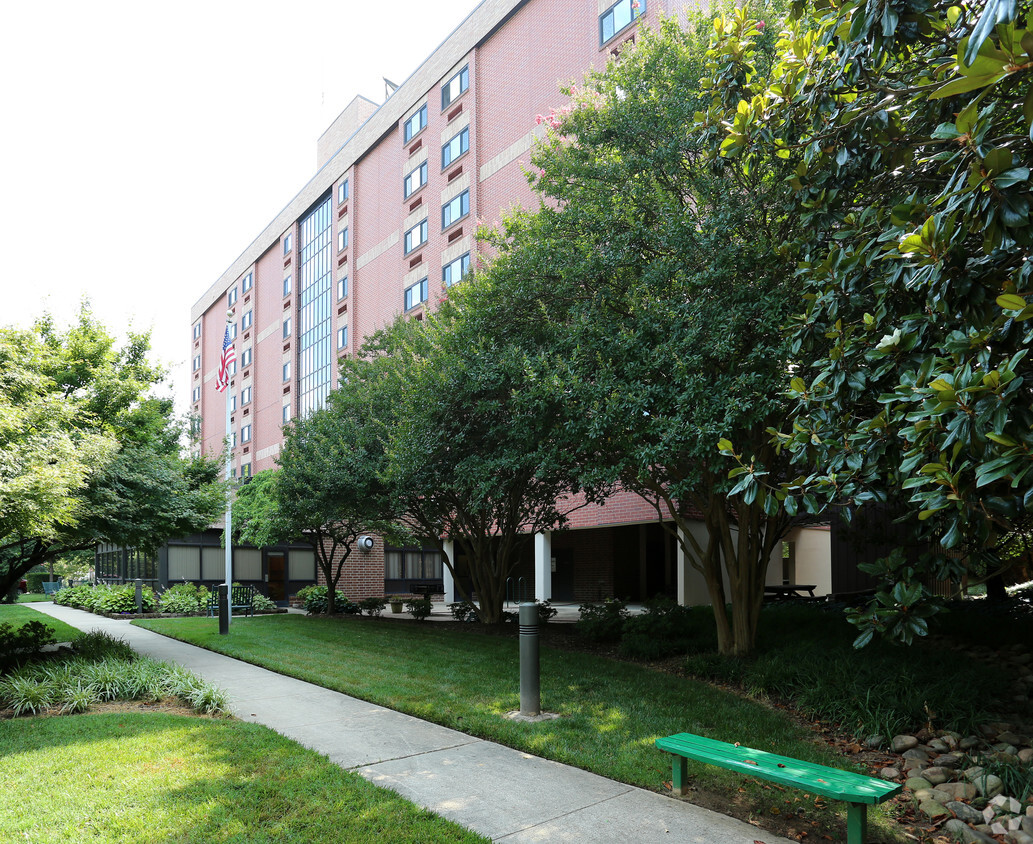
column 417, row 294
column 286, row 287
column 197, row 363
column 249, row 280
column 618, row 17
column 343, row 192
column 342, row 336
column 233, row 330
column 233, row 403
column 414, row 125
column 197, row 331
column 342, row 288
column 245, row 358
column 245, row 396
column 416, row 236
column 415, row 180
column 286, row 328
column 454, row 87
column 287, row 243
column 455, row 209
column 453, row 272
column 231, row 297
column 233, row 442
column 412, row 564
column 287, row 371
column 245, row 322
column 342, row 240
column 286, row 414
column 197, row 394
column 245, row 434
column 245, row 470
column 455, row 147
column 233, row 368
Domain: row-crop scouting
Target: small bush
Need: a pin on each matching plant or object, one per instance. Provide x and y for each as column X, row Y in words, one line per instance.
column 602, row 622
column 464, row 611
column 372, row 606
column 263, row 604
column 184, row 598
column 315, row 599
column 98, row 645
column 104, row 598
column 664, row 629
column 24, row 642
column 419, row 608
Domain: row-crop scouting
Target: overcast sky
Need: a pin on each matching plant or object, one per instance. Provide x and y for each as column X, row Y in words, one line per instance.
column 145, row 145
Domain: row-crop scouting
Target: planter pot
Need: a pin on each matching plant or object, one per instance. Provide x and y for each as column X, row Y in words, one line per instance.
column 396, row 606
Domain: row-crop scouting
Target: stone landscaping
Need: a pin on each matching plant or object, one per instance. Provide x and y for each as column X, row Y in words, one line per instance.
column 948, row 777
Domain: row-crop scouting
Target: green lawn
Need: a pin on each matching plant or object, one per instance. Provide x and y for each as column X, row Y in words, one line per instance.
column 140, row 778
column 32, row 598
column 16, row 616
column 612, row 711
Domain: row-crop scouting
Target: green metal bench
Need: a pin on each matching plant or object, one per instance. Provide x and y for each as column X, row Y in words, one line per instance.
column 241, row 598
column 859, row 791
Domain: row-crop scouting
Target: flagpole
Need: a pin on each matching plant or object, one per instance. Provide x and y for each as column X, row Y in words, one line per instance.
column 228, row 530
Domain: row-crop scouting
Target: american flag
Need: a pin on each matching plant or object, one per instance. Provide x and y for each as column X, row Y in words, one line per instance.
column 222, row 380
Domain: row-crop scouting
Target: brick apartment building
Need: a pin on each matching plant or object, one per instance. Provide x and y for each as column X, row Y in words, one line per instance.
column 384, row 227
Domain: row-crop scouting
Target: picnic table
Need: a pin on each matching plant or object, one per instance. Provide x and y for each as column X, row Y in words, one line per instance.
column 788, row 591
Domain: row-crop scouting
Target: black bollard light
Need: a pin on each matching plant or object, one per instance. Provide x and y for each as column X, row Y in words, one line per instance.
column 224, row 609
column 530, row 675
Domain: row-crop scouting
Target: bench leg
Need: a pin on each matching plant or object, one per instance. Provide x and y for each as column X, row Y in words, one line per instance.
column 679, row 776
column 856, row 823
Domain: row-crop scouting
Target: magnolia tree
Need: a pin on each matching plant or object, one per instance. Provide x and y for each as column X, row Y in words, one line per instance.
column 909, row 132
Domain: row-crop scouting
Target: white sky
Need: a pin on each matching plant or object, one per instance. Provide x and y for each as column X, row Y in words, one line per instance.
column 145, row 145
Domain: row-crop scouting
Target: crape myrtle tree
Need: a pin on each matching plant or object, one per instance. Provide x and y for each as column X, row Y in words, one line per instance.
column 468, row 456
column 659, row 267
column 908, row 127
column 327, row 490
column 87, row 453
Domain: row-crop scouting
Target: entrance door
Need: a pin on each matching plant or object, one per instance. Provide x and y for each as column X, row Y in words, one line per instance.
column 563, row 574
column 277, row 566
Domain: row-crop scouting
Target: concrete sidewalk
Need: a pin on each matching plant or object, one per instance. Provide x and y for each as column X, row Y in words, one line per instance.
column 501, row 793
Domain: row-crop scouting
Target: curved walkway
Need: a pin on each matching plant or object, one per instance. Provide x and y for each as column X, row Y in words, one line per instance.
column 505, row 794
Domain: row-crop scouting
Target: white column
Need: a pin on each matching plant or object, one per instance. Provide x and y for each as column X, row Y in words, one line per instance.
column 543, row 565
column 682, row 570
column 446, row 573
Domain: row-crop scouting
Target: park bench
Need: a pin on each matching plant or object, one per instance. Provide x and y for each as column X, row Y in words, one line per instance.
column 426, row 589
column 859, row 791
column 51, row 586
column 241, row 598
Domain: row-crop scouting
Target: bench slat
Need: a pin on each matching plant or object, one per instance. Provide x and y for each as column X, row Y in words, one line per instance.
column 819, row 779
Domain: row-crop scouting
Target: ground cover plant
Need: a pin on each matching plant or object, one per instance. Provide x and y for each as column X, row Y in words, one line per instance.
column 100, row 668
column 612, row 711
column 174, row 778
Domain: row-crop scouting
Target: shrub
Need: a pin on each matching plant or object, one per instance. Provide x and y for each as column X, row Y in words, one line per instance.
column 24, row 642
column 664, row 629
column 602, row 622
column 263, row 604
column 35, row 580
column 185, row 598
column 315, row 599
column 372, row 606
column 419, row 608
column 121, row 598
column 545, row 610
column 464, row 611
column 97, row 645
column 80, row 597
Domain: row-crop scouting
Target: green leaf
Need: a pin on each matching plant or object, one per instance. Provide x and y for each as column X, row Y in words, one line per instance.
column 1011, row 302
column 965, row 84
column 997, row 161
